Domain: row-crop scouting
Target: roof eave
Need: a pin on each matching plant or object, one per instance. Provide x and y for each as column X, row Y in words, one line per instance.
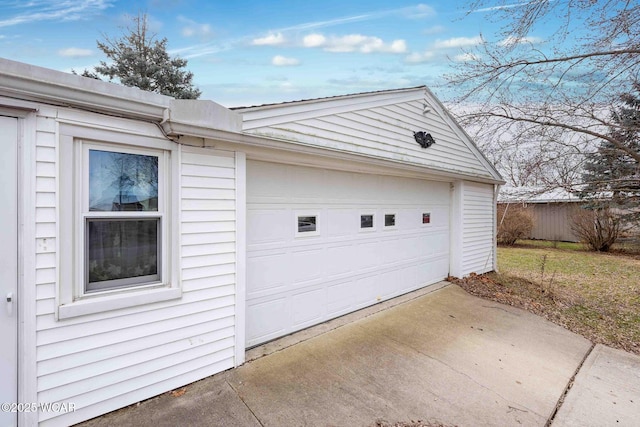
column 28, row 82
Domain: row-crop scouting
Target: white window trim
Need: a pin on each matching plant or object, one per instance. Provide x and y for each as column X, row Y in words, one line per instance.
column 390, row 227
column 370, row 229
column 307, row 233
column 75, row 141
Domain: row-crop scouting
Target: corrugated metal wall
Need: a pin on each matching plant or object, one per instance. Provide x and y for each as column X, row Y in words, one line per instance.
column 551, row 221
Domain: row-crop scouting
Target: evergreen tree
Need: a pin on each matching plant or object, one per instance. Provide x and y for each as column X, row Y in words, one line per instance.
column 138, row 59
column 612, row 174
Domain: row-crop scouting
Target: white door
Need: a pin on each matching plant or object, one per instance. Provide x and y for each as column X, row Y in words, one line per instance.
column 323, row 243
column 8, row 267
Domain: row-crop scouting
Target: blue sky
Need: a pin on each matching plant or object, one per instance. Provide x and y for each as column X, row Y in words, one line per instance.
column 254, row 52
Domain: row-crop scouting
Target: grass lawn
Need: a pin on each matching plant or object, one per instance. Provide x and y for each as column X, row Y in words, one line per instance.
column 594, row 294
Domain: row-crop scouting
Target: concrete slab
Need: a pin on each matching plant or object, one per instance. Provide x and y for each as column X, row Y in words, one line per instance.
column 211, row 401
column 446, row 356
column 606, row 391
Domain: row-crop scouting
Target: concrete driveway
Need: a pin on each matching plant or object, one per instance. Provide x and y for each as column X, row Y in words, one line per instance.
column 439, row 355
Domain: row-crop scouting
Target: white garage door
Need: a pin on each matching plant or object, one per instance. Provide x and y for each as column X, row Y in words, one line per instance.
column 322, row 243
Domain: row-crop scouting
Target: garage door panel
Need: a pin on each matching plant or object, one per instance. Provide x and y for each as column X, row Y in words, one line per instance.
column 341, row 222
column 439, row 216
column 340, row 297
column 308, row 307
column 366, row 255
column 307, row 184
column 412, row 249
column 342, row 187
column 267, row 273
column 410, row 278
column 267, row 320
column 440, row 243
column 389, row 284
column 306, row 265
column 269, row 190
column 340, row 267
column 267, row 226
column 366, row 290
column 365, row 188
column 339, row 260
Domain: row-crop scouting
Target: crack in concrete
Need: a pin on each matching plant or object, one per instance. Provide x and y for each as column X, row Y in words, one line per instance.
column 245, row 403
column 568, row 387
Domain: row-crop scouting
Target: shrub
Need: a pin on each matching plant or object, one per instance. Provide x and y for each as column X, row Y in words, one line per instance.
column 514, row 222
column 598, row 228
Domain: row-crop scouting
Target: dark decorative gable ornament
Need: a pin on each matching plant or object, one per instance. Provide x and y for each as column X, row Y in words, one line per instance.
column 424, row 139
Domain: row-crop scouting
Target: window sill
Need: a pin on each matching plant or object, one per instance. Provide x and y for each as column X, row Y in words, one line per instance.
column 114, row 302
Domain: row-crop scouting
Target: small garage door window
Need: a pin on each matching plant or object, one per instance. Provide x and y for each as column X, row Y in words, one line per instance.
column 366, row 221
column 307, row 224
column 389, row 220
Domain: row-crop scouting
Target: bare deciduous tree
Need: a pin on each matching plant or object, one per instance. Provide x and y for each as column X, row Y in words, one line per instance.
column 552, row 96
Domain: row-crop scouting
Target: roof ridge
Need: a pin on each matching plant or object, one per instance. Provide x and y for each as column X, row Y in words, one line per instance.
column 329, row 97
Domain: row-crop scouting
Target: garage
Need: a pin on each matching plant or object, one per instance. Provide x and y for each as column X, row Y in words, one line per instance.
column 322, row 243
column 271, row 219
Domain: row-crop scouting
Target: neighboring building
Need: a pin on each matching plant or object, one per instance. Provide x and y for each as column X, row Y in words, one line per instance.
column 551, row 210
column 156, row 239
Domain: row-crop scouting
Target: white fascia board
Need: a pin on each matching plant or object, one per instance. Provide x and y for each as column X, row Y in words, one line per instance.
column 39, row 84
column 203, row 114
column 31, row 83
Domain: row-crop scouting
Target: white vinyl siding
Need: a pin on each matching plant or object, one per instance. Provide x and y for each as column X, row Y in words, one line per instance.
column 104, row 361
column 382, row 127
column 478, row 231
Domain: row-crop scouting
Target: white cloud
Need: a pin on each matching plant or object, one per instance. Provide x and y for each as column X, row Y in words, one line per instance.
column 500, row 7
column 417, row 58
column 398, row 46
column 457, row 42
column 314, row 40
column 354, row 43
column 510, row 41
column 435, row 30
column 52, row 10
column 420, row 11
column 465, row 57
column 193, row 28
column 75, row 52
column 272, row 39
column 282, row 61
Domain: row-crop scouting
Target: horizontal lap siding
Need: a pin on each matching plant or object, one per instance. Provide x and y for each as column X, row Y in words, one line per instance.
column 103, row 361
column 478, row 228
column 384, row 131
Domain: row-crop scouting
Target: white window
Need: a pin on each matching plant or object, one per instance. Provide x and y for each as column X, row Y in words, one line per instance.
column 117, row 235
column 123, row 212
